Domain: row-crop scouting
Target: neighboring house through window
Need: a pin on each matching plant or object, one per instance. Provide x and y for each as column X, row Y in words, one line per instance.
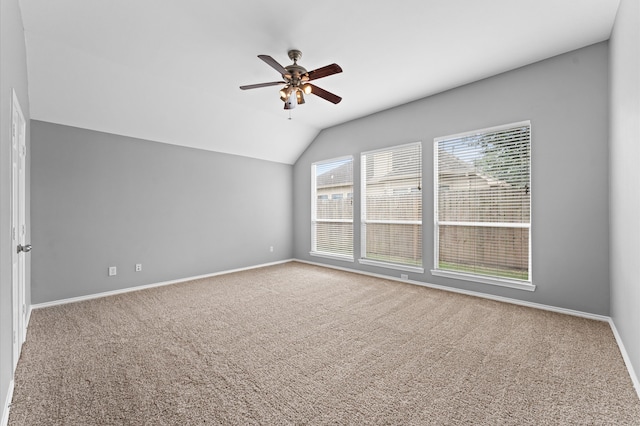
column 483, row 206
column 331, row 211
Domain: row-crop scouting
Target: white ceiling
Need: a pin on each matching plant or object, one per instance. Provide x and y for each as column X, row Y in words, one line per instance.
column 169, row 71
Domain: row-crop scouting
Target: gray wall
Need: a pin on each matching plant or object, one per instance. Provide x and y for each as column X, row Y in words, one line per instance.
column 566, row 99
column 13, row 75
column 625, row 178
column 103, row 200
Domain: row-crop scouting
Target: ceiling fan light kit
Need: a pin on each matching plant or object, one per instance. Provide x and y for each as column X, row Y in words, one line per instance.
column 296, row 80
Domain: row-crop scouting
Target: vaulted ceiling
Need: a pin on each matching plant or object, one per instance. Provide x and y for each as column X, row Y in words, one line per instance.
column 170, row 71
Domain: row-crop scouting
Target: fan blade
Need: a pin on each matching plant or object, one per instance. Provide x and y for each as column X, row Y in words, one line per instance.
column 255, row 86
column 324, row 94
column 324, row 71
column 274, row 64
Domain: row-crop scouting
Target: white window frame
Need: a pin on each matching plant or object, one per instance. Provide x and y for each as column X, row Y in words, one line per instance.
column 315, row 220
column 363, row 216
column 504, row 282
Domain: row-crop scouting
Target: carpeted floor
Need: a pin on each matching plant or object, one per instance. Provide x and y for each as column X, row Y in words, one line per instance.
column 299, row 344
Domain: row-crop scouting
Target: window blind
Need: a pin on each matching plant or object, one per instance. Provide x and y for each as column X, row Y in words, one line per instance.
column 332, row 208
column 392, row 205
column 483, row 202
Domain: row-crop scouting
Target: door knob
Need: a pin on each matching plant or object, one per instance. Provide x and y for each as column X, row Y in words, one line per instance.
column 25, row 248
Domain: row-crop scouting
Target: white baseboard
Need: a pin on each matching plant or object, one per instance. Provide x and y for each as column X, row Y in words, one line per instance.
column 147, row 286
column 625, row 357
column 471, row 293
column 7, row 405
column 28, row 320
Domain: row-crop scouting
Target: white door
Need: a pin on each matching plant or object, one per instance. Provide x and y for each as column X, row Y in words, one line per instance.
column 18, row 226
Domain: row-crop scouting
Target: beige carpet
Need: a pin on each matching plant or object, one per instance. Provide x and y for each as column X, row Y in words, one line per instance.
column 299, row 344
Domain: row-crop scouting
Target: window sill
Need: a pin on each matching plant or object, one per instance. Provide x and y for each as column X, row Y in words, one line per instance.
column 396, row 266
column 331, row 256
column 520, row 285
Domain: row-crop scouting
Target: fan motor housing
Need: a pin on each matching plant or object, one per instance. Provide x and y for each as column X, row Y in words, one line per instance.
column 296, row 71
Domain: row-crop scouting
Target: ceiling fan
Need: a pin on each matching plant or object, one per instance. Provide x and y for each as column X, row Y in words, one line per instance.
column 296, row 80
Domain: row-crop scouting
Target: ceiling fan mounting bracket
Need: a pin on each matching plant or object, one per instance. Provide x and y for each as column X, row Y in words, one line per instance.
column 295, row 55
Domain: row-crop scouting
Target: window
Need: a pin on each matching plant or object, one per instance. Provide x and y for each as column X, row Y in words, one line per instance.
column 331, row 212
column 392, row 207
column 483, row 205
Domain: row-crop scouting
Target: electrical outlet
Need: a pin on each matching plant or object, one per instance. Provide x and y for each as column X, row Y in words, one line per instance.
column 271, row 249
column 112, row 271
column 404, row 276
column 138, row 267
